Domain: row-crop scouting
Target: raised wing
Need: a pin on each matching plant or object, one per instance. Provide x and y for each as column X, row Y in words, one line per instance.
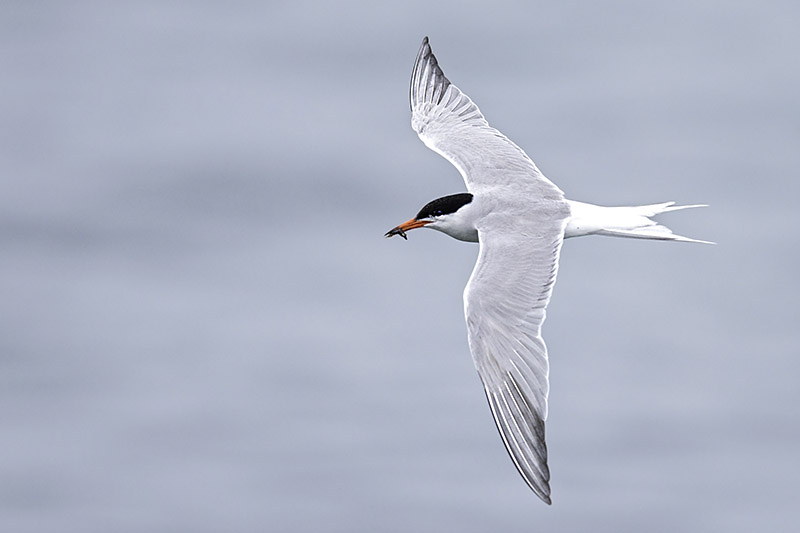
column 505, row 303
column 450, row 123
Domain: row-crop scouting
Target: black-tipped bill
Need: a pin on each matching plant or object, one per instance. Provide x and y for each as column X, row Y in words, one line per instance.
column 406, row 226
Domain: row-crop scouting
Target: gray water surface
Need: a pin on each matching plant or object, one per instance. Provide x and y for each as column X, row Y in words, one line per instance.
column 203, row 329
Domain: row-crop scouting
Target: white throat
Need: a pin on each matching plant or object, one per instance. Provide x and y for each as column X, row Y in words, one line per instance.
column 459, row 225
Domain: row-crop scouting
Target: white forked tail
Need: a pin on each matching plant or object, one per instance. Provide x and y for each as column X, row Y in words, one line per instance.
column 632, row 222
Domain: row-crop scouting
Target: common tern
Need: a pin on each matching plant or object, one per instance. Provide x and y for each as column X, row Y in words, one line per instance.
column 520, row 218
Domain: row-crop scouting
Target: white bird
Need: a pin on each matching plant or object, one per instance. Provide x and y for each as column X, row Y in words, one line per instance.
column 520, row 218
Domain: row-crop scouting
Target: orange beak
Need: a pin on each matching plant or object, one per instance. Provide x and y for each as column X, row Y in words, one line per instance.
column 406, row 226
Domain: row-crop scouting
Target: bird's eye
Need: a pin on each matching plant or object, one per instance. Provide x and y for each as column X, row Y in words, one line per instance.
column 437, row 213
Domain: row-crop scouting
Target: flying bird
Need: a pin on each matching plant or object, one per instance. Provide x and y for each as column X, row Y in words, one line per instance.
column 520, row 218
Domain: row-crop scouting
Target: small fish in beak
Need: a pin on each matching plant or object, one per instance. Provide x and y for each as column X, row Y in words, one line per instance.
column 407, row 226
column 396, row 231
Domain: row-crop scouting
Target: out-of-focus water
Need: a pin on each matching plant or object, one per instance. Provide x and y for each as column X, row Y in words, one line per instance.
column 203, row 329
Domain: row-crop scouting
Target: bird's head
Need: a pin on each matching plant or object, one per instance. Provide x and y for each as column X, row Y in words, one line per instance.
column 440, row 214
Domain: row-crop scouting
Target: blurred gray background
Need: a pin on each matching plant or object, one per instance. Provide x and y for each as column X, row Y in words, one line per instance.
column 203, row 329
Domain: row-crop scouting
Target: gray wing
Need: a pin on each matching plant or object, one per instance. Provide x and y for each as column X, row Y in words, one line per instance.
column 505, row 303
column 520, row 242
column 450, row 123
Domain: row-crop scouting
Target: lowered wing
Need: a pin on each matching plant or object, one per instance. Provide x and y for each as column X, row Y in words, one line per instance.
column 504, row 304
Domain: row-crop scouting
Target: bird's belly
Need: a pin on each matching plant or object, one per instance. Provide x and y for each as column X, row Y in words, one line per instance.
column 586, row 219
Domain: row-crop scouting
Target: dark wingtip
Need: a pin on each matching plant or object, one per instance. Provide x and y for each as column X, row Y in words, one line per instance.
column 427, row 84
column 424, row 48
